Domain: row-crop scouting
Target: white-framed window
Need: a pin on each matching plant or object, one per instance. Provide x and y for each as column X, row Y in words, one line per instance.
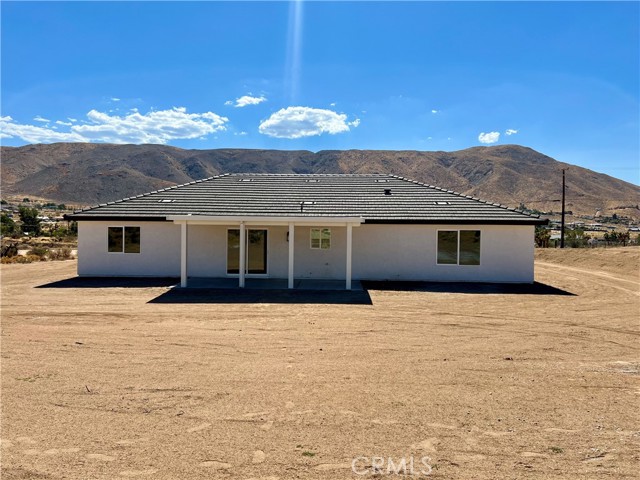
column 458, row 247
column 123, row 239
column 321, row 238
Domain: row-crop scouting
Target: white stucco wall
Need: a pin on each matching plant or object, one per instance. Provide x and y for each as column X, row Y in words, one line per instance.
column 380, row 252
column 159, row 250
column 408, row 252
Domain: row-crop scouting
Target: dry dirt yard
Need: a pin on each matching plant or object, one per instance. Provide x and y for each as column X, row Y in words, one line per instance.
column 97, row 383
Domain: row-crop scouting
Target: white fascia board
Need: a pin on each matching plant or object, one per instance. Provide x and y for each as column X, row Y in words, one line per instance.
column 253, row 220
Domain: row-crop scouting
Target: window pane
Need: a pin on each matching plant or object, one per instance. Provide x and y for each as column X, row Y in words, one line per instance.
column 448, row 247
column 325, row 238
column 233, row 251
column 315, row 238
column 257, row 252
column 114, row 236
column 131, row 239
column 469, row 247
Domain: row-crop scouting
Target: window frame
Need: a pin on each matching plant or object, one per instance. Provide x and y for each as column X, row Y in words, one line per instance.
column 320, row 230
column 458, row 230
column 123, row 239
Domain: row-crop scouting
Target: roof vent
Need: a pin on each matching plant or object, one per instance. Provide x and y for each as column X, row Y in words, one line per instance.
column 382, row 180
column 312, row 180
column 442, row 203
column 166, row 200
column 246, row 180
column 387, row 191
column 305, row 204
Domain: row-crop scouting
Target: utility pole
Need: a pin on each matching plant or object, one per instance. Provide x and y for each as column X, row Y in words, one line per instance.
column 562, row 222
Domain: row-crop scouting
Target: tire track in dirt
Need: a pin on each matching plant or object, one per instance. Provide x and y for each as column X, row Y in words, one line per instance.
column 598, row 275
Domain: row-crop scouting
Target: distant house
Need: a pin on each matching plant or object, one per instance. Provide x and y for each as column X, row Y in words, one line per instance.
column 286, row 226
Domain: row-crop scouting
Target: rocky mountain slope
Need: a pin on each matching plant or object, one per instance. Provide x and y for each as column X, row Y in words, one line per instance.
column 83, row 173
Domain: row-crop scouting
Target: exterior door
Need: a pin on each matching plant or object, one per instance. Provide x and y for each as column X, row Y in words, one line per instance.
column 256, row 251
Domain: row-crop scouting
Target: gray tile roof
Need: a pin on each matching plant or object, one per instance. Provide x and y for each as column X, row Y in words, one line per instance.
column 316, row 195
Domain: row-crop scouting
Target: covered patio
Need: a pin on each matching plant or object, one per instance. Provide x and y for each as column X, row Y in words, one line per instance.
column 272, row 284
column 243, row 224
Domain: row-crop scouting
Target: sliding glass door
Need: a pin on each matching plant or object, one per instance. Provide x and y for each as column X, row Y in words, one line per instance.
column 256, row 251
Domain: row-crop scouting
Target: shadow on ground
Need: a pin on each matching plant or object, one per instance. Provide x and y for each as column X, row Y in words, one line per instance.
column 535, row 288
column 220, row 295
column 259, row 295
column 112, row 282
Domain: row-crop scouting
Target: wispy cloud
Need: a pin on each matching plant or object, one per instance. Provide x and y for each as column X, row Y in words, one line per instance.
column 159, row 126
column 488, row 138
column 511, row 131
column 38, row 118
column 246, row 100
column 35, row 134
column 67, row 124
column 434, row 111
column 298, row 122
column 115, row 99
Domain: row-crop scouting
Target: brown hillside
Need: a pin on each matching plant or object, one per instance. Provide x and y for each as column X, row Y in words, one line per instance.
column 84, row 173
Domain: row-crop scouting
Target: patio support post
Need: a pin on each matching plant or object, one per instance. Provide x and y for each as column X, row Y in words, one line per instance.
column 243, row 255
column 183, row 255
column 292, row 240
column 349, row 241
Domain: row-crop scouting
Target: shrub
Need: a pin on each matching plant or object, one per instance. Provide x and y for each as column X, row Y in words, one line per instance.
column 9, row 250
column 60, row 254
column 38, row 252
column 22, row 259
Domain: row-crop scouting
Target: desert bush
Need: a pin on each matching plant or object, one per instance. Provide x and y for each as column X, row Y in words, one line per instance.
column 22, row 259
column 9, row 250
column 63, row 253
column 38, row 252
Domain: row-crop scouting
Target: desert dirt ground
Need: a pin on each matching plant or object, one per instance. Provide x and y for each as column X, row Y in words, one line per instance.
column 98, row 383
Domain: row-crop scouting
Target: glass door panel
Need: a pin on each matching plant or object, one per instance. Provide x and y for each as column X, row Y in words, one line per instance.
column 256, row 251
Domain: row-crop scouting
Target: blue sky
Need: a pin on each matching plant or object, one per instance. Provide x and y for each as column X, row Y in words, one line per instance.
column 562, row 78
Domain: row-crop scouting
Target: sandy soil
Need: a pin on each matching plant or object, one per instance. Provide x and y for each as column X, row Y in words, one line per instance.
column 97, row 383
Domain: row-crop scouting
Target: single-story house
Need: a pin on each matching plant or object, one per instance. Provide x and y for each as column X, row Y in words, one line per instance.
column 317, row 226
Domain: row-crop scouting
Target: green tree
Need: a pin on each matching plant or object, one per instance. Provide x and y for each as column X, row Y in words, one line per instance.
column 575, row 238
column 542, row 237
column 7, row 225
column 30, row 221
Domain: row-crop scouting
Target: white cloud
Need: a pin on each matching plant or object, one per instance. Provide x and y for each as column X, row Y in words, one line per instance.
column 160, row 126
column 115, row 99
column 298, row 122
column 38, row 118
column 435, row 111
column 240, row 134
column 246, row 100
column 511, row 131
column 332, row 104
column 34, row 134
column 491, row 137
column 67, row 124
column 72, row 119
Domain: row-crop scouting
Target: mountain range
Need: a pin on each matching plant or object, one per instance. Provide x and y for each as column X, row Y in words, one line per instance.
column 86, row 173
